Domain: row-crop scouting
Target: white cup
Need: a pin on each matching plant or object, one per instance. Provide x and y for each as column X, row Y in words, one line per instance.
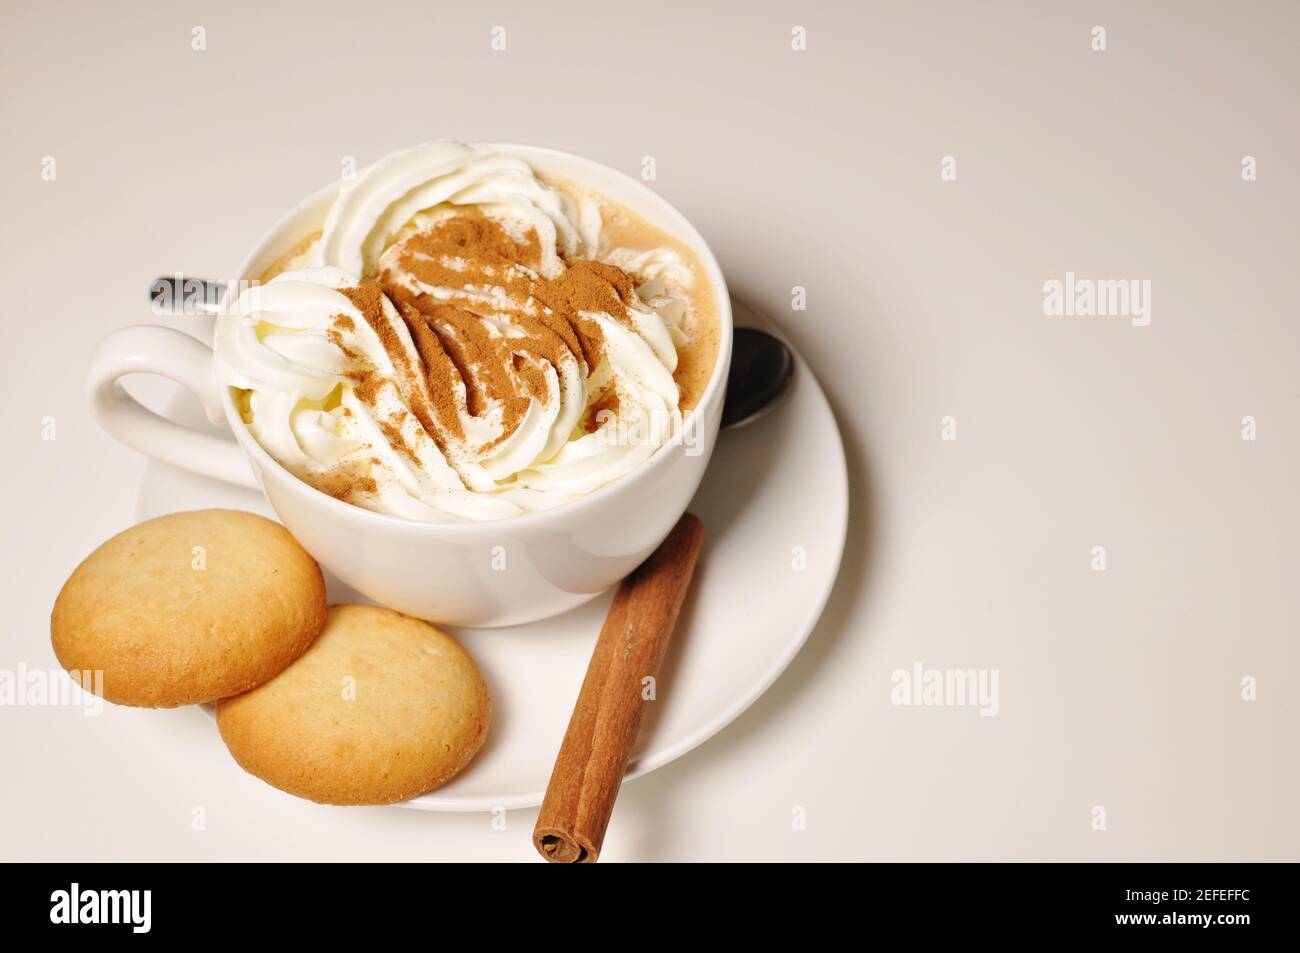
column 502, row 572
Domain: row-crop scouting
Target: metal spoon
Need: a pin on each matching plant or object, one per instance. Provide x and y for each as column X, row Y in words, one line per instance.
column 762, row 366
column 762, row 370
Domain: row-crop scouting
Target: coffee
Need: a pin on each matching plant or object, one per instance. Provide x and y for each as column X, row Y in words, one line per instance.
column 467, row 340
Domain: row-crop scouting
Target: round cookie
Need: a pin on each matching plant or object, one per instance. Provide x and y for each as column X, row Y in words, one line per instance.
column 381, row 708
column 189, row 608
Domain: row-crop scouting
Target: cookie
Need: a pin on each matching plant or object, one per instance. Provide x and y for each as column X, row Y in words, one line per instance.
column 381, row 708
column 189, row 608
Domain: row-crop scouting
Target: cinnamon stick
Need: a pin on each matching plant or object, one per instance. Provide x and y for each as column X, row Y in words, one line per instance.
column 589, row 768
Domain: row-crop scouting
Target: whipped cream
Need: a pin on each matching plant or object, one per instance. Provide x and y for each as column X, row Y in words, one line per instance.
column 460, row 345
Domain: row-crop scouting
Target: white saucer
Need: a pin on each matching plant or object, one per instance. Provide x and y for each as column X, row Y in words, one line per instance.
column 775, row 509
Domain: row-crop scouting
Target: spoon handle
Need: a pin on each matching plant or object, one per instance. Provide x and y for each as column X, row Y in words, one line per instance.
column 179, row 294
column 589, row 768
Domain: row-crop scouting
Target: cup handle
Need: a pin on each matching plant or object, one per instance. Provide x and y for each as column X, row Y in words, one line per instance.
column 149, row 349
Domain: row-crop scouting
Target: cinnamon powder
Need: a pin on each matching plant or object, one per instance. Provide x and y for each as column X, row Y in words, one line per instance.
column 470, row 256
column 466, row 366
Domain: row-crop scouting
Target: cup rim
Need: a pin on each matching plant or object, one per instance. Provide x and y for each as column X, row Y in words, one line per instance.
column 683, row 230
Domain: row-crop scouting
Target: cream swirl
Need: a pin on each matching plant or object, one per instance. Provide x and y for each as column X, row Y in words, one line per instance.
column 459, row 347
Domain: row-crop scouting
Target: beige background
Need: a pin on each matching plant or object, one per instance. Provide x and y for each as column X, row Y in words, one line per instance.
column 820, row 169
